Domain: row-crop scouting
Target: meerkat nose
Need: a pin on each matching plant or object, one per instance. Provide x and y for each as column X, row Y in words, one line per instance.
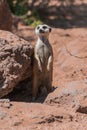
column 41, row 31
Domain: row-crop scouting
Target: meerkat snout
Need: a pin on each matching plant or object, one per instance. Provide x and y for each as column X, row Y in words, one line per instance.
column 41, row 31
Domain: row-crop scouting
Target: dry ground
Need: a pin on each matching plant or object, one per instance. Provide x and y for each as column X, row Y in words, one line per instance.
column 66, row 107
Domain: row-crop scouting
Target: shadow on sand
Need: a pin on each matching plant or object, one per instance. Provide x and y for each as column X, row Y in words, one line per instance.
column 23, row 93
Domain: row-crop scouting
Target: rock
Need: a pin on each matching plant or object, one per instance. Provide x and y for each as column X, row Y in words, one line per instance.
column 5, row 16
column 5, row 103
column 82, row 108
column 2, row 115
column 68, row 96
column 15, row 61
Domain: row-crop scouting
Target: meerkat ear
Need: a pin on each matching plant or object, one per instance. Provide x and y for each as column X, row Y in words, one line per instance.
column 50, row 29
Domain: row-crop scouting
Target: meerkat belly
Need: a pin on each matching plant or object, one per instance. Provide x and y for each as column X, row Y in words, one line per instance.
column 44, row 54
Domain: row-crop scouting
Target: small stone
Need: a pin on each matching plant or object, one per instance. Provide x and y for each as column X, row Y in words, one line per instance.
column 2, row 115
column 5, row 103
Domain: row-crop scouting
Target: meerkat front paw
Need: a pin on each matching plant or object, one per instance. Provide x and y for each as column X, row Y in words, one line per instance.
column 40, row 68
column 49, row 63
column 48, row 67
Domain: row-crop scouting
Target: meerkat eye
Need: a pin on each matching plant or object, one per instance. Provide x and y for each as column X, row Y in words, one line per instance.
column 38, row 27
column 44, row 27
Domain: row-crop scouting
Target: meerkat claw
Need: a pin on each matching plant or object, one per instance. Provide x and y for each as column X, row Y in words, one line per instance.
column 40, row 68
column 48, row 68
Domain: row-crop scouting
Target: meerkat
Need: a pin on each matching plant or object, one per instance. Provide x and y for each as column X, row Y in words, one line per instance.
column 43, row 61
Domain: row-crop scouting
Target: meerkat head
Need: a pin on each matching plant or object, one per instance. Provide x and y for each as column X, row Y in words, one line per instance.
column 42, row 30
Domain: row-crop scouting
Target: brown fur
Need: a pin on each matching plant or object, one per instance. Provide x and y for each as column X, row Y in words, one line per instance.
column 43, row 65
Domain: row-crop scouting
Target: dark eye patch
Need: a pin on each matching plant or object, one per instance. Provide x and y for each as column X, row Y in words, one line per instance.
column 38, row 27
column 44, row 27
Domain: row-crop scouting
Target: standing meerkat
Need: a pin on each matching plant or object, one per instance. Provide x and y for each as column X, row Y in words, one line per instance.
column 43, row 60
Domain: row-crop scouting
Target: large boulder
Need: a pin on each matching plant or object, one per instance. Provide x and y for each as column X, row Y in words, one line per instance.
column 15, row 61
column 5, row 16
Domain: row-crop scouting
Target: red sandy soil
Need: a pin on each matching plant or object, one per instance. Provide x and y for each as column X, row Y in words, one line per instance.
column 66, row 107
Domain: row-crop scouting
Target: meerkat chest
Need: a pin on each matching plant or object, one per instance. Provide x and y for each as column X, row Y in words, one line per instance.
column 43, row 51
